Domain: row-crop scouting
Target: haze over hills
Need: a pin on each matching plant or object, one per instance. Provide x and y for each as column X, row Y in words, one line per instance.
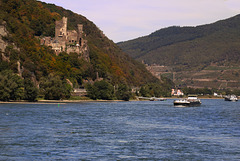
column 192, row 54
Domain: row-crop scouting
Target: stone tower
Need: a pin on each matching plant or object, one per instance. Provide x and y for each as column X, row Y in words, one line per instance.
column 61, row 28
column 80, row 34
column 80, row 29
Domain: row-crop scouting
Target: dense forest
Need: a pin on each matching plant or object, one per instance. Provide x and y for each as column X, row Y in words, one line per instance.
column 189, row 48
column 43, row 72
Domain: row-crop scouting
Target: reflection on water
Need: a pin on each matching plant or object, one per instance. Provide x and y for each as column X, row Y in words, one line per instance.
column 120, row 131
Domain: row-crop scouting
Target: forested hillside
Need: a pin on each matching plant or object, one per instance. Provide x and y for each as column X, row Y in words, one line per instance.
column 189, row 47
column 23, row 22
column 198, row 57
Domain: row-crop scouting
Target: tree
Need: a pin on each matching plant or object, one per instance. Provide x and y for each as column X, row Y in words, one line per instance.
column 155, row 89
column 144, row 91
column 123, row 92
column 53, row 88
column 30, row 92
column 92, row 91
column 3, row 65
column 101, row 90
column 11, row 86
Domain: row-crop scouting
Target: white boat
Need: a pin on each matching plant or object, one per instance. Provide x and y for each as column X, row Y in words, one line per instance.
column 157, row 99
column 152, row 98
column 231, row 98
column 192, row 100
column 160, row 99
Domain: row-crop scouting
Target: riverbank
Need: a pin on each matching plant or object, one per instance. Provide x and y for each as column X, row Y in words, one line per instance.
column 87, row 100
column 56, row 101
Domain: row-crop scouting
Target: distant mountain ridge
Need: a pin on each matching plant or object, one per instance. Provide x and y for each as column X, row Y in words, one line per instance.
column 178, row 45
column 191, row 49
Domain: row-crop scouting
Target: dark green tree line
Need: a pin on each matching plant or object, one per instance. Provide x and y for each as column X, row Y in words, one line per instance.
column 54, row 88
column 106, row 91
column 156, row 90
column 100, row 90
column 11, row 86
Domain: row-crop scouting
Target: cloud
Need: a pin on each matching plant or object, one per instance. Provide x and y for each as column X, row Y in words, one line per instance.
column 128, row 19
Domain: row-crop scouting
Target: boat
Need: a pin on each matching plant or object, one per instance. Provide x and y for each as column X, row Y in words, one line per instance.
column 231, row 98
column 152, row 98
column 157, row 99
column 160, row 99
column 192, row 100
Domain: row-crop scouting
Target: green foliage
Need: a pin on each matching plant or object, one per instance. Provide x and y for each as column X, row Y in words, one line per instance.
column 156, row 90
column 11, row 86
column 189, row 48
column 3, row 65
column 100, row 90
column 144, row 91
column 199, row 91
column 30, row 91
column 207, row 91
column 92, row 91
column 53, row 88
column 236, row 92
column 123, row 92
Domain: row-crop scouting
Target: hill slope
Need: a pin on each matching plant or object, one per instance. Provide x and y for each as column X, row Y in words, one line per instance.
column 191, row 48
column 21, row 50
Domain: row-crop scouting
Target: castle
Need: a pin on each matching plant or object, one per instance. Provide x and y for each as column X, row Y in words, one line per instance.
column 67, row 40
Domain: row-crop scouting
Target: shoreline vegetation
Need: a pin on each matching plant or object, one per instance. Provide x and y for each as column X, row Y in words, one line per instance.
column 87, row 100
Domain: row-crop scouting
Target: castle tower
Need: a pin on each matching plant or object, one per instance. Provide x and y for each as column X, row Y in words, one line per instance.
column 80, row 34
column 61, row 28
column 80, row 29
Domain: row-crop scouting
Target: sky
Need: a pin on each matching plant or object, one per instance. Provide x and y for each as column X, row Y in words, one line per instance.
column 122, row 20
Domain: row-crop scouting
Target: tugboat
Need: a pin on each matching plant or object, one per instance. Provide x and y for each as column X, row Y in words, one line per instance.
column 192, row 100
column 231, row 98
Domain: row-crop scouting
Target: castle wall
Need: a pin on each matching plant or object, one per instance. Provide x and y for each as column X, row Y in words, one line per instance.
column 72, row 49
column 57, row 46
column 72, row 37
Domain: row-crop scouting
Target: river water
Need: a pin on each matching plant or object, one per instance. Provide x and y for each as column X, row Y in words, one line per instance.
column 145, row 130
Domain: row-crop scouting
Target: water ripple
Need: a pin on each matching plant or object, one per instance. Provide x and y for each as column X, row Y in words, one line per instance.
column 120, row 131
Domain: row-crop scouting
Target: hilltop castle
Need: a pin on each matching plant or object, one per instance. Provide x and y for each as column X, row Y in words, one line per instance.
column 67, row 40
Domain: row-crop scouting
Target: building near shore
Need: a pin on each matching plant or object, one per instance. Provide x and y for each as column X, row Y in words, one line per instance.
column 177, row 92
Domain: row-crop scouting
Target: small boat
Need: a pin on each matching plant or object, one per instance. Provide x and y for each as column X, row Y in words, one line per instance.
column 151, row 99
column 192, row 100
column 157, row 99
column 160, row 99
column 231, row 98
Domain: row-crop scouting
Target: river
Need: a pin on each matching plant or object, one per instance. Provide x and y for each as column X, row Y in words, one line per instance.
column 137, row 130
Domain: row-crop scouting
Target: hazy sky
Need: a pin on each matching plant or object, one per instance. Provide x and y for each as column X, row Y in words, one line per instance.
column 123, row 20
